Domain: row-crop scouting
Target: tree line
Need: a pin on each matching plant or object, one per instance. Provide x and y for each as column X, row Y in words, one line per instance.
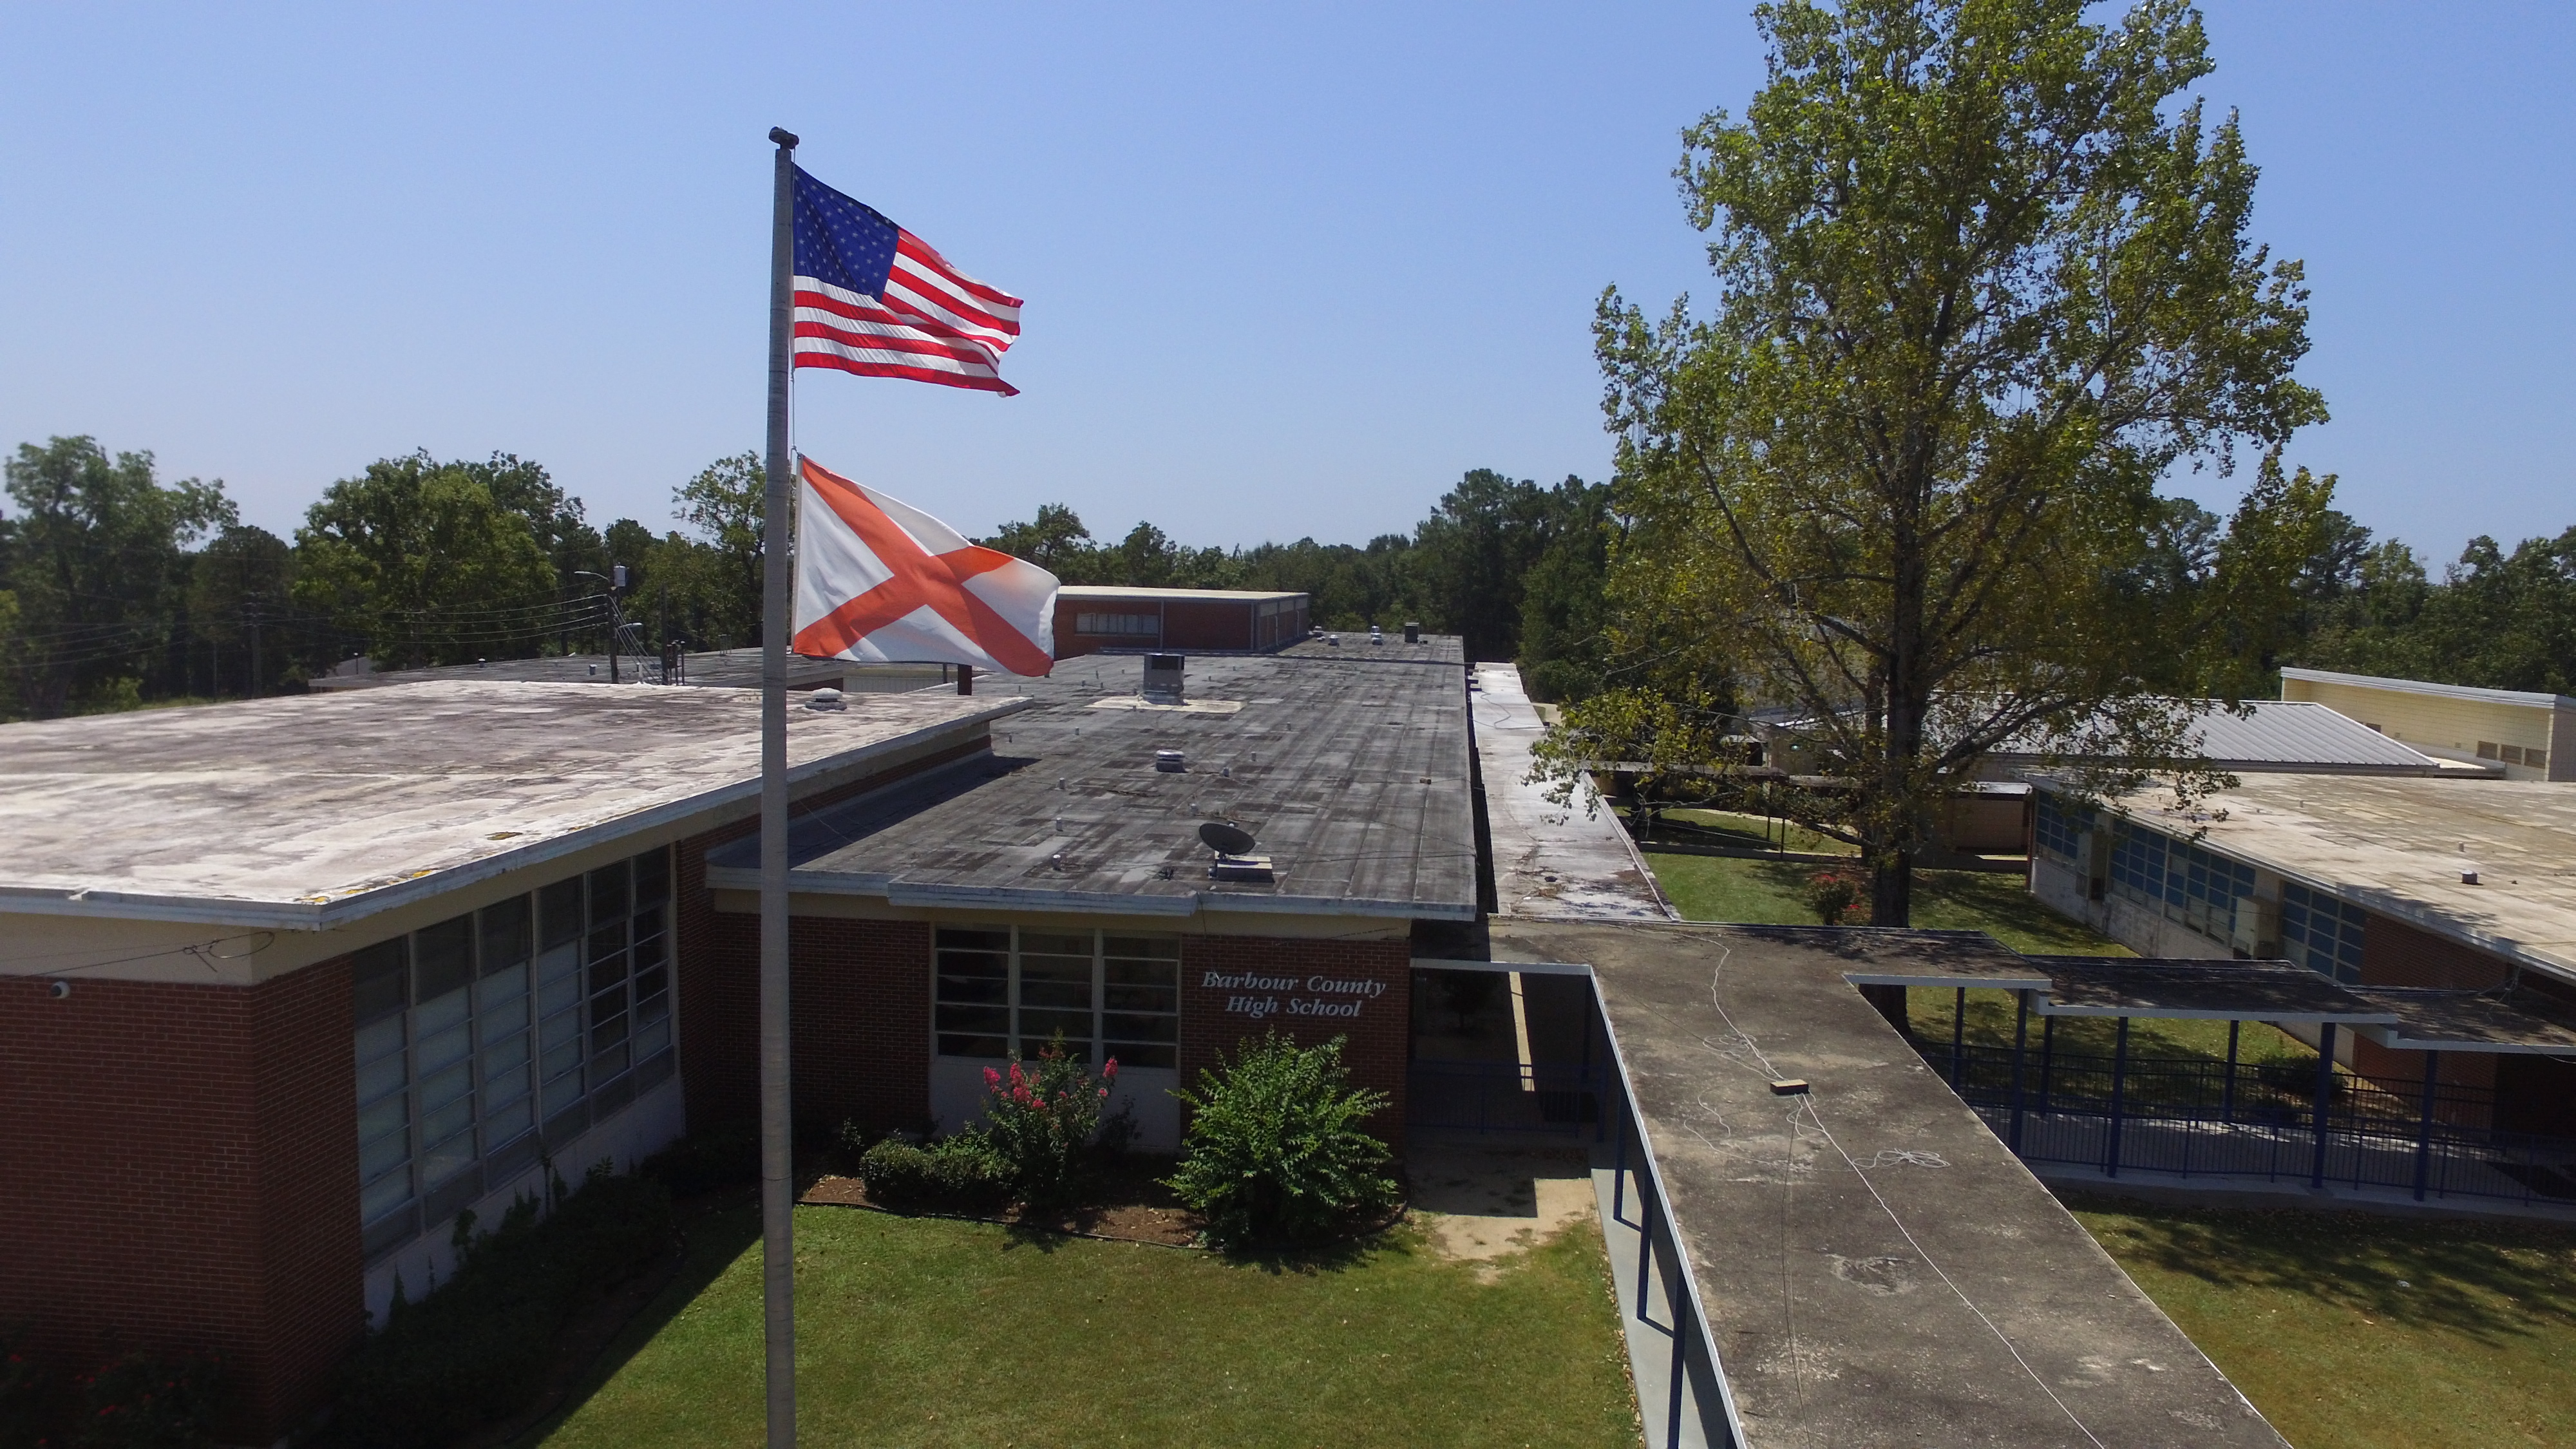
column 119, row 589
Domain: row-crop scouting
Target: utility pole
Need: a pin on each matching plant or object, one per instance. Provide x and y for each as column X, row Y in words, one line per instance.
column 258, row 679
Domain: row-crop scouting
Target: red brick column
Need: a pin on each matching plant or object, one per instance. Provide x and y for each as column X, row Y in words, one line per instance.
column 862, row 1023
column 182, row 1174
column 2396, row 954
column 1310, row 991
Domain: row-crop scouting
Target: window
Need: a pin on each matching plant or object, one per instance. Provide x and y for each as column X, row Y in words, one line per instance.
column 1116, row 624
column 2512, row 754
column 2536, row 757
column 2179, row 880
column 1001, row 989
column 2060, row 828
column 2487, row 750
column 473, row 1031
column 2321, row 933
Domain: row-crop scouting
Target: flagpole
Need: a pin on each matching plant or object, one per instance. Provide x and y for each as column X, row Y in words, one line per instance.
column 777, row 1180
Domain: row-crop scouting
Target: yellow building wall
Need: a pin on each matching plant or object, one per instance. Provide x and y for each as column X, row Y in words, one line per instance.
column 2454, row 726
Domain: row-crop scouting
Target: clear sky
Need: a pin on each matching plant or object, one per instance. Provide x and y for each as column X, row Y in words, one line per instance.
column 1289, row 271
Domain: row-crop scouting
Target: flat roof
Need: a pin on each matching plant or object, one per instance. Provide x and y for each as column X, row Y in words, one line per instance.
column 2397, row 846
column 1090, row 592
column 1561, row 862
column 713, row 668
column 2445, row 691
column 306, row 811
column 1351, row 771
column 2208, row 990
column 2508, row 1023
column 1876, row 1268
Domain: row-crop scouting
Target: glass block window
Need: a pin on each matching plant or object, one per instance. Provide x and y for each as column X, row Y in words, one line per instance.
column 2060, row 827
column 1005, row 989
column 2321, row 933
column 1112, row 624
column 2139, row 861
column 540, row 1011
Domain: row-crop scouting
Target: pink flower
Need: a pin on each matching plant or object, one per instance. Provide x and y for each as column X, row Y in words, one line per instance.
column 992, row 1079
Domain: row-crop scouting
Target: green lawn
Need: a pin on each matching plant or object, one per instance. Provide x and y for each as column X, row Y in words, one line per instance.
column 1769, row 893
column 2357, row 1332
column 1759, row 832
column 920, row 1331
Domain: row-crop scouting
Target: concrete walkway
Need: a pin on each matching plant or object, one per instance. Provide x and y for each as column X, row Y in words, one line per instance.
column 1551, row 862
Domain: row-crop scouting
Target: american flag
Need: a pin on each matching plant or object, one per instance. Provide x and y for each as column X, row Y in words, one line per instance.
column 874, row 299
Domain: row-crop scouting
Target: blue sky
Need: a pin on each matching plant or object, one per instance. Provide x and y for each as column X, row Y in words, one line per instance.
column 1289, row 271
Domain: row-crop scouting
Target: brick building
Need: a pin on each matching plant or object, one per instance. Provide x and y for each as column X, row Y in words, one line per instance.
column 1091, row 619
column 290, row 983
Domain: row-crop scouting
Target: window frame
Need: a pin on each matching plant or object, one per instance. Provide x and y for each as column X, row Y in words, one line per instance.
column 1133, row 1043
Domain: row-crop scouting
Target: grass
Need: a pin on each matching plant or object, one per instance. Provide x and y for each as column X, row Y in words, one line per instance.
column 921, row 1331
column 1728, row 827
column 1990, row 1023
column 1771, row 893
column 2364, row 1332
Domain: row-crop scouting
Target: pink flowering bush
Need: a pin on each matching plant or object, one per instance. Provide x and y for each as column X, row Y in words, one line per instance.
column 149, row 1401
column 1041, row 1118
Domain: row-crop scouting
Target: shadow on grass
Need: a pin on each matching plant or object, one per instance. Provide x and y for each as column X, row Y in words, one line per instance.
column 718, row 1233
column 2489, row 1280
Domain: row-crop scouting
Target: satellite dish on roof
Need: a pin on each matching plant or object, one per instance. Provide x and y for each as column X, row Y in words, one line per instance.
column 1225, row 838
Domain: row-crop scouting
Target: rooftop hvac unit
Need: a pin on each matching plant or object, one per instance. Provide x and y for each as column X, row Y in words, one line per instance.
column 1163, row 679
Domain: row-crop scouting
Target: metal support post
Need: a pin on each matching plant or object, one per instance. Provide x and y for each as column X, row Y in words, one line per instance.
column 2424, row 1129
column 1645, row 1250
column 2227, row 1093
column 1619, row 1168
column 2047, row 1058
column 2325, row 1098
column 2119, row 1087
column 1958, row 1036
column 2021, row 1038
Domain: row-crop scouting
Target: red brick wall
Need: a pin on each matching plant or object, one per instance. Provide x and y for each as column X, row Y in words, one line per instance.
column 1380, row 1035
column 720, row 976
column 2396, row 954
column 182, row 1173
column 859, row 1038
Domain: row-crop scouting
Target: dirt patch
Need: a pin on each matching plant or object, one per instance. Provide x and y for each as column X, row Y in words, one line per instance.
column 1483, row 1205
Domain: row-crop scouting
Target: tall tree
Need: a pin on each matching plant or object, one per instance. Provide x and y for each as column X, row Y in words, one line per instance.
column 427, row 566
column 96, row 557
column 1984, row 278
column 723, row 503
column 240, row 603
column 1057, row 541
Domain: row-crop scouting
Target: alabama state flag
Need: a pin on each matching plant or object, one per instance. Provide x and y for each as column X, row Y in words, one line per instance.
column 879, row 580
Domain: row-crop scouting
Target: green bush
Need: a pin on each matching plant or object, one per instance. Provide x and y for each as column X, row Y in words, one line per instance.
column 24, row 1387
column 960, row 1172
column 1274, row 1152
column 720, row 1156
column 150, row 1401
column 473, row 1350
column 1832, row 894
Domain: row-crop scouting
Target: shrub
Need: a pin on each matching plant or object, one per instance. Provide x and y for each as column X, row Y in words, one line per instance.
column 960, row 1172
column 1040, row 1119
column 24, row 1386
column 720, row 1156
column 472, row 1351
column 1275, row 1152
column 150, row 1401
column 1832, row 894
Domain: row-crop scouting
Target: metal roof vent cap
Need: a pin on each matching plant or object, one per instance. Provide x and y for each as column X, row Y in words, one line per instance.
column 826, row 698
column 1171, row 762
column 1163, row 679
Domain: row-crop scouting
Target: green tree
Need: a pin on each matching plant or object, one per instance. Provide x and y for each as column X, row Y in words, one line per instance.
column 1984, row 278
column 555, row 518
column 240, row 603
column 725, row 504
column 1056, row 541
column 422, row 562
column 96, row 557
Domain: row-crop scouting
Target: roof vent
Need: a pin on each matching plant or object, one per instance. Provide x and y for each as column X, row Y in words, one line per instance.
column 1163, row 679
column 825, row 698
column 1413, row 631
column 1376, row 635
column 1171, row 762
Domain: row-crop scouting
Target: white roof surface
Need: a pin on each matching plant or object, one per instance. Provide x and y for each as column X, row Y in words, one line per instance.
column 306, row 811
column 1096, row 592
column 2398, row 846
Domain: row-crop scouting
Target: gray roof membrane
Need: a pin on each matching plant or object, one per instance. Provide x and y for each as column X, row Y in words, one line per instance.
column 1349, row 768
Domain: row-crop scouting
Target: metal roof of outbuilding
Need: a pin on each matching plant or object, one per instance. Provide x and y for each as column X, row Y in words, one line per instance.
column 2444, row 691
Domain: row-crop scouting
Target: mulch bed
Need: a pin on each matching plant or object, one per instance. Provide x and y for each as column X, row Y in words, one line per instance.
column 1128, row 1205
